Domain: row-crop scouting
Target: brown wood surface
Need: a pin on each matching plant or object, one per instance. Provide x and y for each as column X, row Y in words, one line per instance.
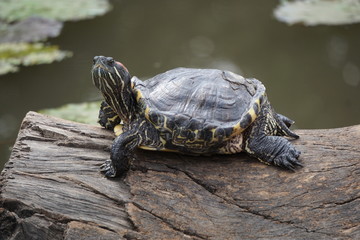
column 51, row 188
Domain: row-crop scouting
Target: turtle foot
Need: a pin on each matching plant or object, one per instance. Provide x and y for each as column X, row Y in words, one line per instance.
column 107, row 169
column 275, row 150
column 289, row 159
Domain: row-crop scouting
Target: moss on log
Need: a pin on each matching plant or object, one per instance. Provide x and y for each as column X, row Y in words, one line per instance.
column 51, row 188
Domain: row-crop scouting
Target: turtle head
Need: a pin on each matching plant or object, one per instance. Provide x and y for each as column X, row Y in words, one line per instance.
column 114, row 81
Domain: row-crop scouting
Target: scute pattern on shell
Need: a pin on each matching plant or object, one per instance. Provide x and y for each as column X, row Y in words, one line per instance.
column 219, row 98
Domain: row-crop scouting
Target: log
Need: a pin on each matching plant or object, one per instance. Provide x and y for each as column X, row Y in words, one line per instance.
column 51, row 188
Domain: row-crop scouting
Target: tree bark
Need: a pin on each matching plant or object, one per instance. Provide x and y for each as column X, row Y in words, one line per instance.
column 52, row 188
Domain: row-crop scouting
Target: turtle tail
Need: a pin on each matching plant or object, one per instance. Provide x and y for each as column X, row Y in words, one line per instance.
column 282, row 124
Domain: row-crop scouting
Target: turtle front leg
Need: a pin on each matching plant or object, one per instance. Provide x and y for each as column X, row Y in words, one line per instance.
column 121, row 153
column 139, row 133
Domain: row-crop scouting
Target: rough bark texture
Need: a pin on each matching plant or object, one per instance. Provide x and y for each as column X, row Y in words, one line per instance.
column 51, row 188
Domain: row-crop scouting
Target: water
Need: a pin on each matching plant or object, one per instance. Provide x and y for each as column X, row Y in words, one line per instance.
column 312, row 74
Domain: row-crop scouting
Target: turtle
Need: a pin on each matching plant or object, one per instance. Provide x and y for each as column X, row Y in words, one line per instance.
column 190, row 111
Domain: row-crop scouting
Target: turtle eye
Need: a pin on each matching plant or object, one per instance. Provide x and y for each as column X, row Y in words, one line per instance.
column 110, row 60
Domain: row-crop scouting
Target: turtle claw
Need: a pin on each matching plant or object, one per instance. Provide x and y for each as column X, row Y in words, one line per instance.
column 289, row 159
column 287, row 121
column 107, row 169
column 105, row 166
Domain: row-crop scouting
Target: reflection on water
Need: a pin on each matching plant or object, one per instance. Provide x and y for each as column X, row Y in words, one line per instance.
column 351, row 74
column 7, row 125
column 337, row 51
column 201, row 46
column 311, row 73
column 338, row 57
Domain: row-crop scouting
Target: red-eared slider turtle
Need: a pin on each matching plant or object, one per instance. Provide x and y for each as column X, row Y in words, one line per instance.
column 194, row 111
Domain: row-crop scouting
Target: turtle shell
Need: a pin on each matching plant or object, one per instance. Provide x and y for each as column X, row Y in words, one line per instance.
column 199, row 106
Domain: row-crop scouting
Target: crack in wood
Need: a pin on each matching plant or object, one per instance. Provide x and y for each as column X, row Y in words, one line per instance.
column 92, row 189
column 172, row 226
column 244, row 208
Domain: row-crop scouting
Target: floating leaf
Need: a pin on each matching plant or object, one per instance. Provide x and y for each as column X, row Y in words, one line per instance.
column 35, row 20
column 13, row 10
column 79, row 112
column 314, row 12
column 6, row 67
column 29, row 30
column 14, row 54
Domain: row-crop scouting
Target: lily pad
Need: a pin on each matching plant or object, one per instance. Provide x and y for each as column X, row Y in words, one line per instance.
column 25, row 21
column 314, row 12
column 29, row 30
column 80, row 112
column 64, row 10
column 14, row 54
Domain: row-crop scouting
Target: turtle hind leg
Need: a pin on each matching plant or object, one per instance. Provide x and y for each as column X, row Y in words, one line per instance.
column 264, row 141
column 274, row 150
column 107, row 117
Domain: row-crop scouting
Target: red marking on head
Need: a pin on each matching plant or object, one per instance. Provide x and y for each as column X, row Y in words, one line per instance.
column 122, row 65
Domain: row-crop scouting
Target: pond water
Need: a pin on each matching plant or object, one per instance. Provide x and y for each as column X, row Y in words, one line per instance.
column 312, row 74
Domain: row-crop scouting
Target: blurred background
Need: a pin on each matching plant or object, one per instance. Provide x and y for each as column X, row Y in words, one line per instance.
column 312, row 73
